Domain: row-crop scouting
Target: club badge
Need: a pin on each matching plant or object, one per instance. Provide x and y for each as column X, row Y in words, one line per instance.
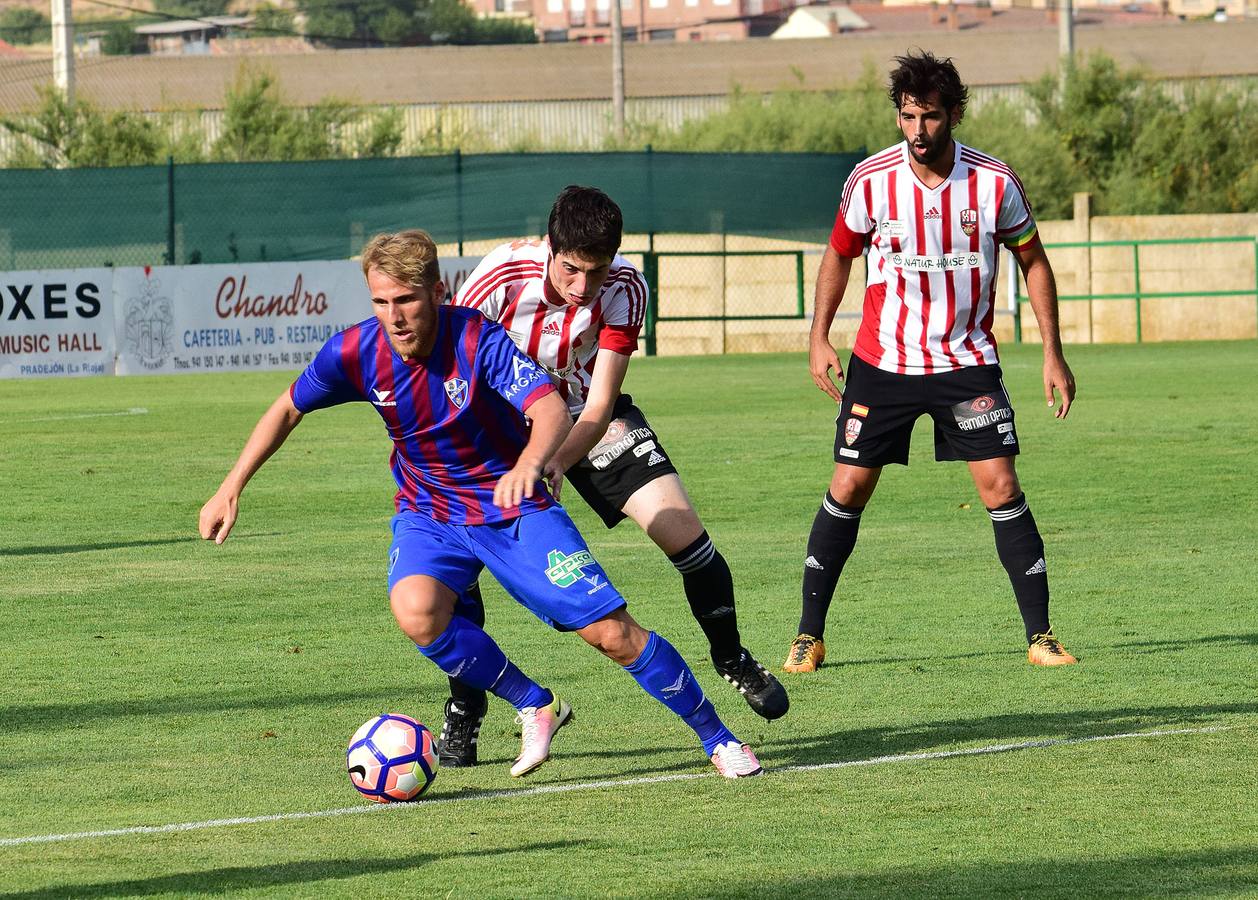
column 851, row 430
column 456, row 390
column 969, row 221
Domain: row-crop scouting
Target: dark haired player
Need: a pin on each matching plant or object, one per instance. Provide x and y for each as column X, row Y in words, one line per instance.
column 573, row 305
column 930, row 214
column 453, row 392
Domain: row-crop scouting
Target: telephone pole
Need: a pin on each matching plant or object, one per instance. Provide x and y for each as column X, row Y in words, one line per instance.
column 618, row 72
column 63, row 49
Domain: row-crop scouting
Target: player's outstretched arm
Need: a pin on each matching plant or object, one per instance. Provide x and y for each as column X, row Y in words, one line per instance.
column 609, row 376
column 551, row 424
column 1041, row 289
column 831, row 283
column 218, row 515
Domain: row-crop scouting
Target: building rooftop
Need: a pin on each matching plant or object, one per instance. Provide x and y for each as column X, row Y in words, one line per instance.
column 986, row 55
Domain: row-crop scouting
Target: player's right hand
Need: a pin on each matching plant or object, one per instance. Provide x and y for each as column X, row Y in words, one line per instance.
column 217, row 517
column 552, row 474
column 821, row 359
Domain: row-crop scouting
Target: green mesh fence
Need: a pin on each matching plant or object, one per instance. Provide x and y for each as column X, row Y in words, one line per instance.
column 249, row 212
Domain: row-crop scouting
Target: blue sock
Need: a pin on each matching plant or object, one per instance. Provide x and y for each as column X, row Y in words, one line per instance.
column 466, row 652
column 665, row 676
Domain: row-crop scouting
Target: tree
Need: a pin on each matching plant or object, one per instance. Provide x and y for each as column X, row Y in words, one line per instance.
column 62, row 133
column 23, row 25
column 192, row 9
column 258, row 126
column 120, row 39
column 269, row 21
column 365, row 21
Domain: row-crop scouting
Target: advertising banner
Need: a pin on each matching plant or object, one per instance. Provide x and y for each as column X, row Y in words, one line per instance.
column 56, row 323
column 232, row 317
column 170, row 319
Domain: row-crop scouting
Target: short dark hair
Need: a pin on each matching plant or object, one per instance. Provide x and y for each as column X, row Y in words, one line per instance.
column 585, row 221
column 918, row 74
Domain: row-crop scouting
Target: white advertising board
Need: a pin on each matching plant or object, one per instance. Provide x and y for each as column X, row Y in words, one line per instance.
column 56, row 323
column 232, row 317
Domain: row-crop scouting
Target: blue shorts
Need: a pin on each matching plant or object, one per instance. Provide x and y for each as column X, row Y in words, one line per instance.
column 540, row 558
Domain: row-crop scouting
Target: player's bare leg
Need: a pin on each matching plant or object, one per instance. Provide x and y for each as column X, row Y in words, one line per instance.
column 659, row 669
column 1021, row 552
column 425, row 610
column 663, row 510
column 830, row 543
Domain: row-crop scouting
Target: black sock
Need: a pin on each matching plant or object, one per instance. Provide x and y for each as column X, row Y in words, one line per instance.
column 468, row 697
column 1021, row 552
column 710, row 591
column 830, row 543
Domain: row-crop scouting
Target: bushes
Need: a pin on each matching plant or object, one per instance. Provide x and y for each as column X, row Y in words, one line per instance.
column 1116, row 134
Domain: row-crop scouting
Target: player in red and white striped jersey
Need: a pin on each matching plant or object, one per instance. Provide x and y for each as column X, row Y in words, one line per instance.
column 930, row 215
column 575, row 306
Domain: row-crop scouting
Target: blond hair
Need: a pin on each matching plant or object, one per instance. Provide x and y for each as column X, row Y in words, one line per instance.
column 409, row 257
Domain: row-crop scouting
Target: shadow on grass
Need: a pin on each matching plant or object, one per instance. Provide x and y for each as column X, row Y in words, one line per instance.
column 866, row 743
column 1213, row 872
column 60, row 549
column 239, row 878
column 1250, row 639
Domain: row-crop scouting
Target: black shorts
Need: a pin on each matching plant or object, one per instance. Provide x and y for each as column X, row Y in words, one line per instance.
column 970, row 408
column 628, row 456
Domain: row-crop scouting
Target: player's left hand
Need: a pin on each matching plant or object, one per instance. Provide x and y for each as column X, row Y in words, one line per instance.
column 517, row 484
column 1059, row 378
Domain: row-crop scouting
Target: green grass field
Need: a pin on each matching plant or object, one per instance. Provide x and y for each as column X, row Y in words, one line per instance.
column 149, row 679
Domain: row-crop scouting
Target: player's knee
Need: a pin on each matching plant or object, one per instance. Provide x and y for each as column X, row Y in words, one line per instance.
column 617, row 636
column 421, row 618
column 853, row 486
column 1000, row 490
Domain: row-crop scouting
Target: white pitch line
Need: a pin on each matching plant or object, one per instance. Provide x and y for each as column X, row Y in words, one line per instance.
column 133, row 411
column 593, row 786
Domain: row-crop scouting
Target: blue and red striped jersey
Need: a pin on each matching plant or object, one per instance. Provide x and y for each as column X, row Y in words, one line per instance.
column 456, row 418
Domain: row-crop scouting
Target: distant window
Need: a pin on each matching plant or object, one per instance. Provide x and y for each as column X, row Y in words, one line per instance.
column 554, row 6
column 664, row 34
column 659, row 4
column 555, row 35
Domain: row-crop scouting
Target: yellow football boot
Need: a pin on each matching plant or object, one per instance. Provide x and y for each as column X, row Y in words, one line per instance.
column 806, row 654
column 1046, row 650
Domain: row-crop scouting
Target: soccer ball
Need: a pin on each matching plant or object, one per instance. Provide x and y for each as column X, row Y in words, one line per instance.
column 391, row 758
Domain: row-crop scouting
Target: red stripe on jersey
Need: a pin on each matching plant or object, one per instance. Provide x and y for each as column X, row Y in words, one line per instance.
column 975, row 274
column 565, row 334
column 950, row 288
column 474, row 295
column 473, row 508
column 889, row 157
column 535, row 330
column 923, row 278
column 350, row 340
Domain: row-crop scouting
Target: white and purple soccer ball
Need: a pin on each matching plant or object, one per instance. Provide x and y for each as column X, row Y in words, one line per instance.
column 391, row 759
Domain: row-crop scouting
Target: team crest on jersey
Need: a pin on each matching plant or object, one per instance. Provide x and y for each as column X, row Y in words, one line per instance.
column 969, row 221
column 456, row 390
column 851, row 430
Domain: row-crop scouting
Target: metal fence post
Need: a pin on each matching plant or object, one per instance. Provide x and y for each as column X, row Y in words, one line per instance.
column 170, row 211
column 651, row 272
column 799, row 281
column 1135, row 263
column 458, row 194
